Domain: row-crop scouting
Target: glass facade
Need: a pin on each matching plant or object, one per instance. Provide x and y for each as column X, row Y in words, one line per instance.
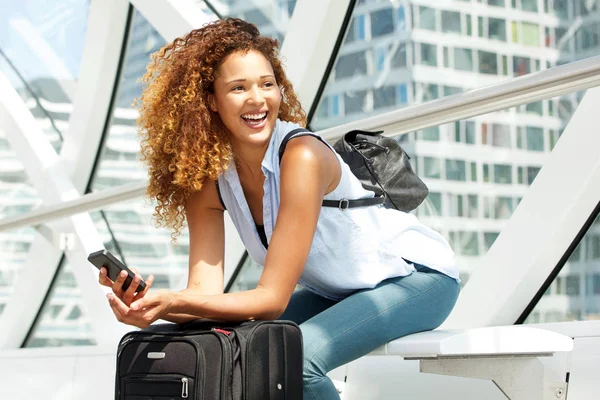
column 41, row 46
column 394, row 54
column 574, row 295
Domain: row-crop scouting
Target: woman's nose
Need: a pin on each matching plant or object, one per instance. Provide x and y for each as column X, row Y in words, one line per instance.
column 256, row 96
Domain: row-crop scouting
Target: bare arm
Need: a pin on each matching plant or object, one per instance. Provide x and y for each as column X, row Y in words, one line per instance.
column 308, row 170
column 204, row 214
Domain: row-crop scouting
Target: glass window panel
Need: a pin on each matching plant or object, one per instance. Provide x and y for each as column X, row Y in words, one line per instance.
column 382, row 22
column 350, row 65
column 488, row 62
column 432, row 167
column 530, row 34
column 432, row 205
column 497, row 29
column 399, row 57
column 468, row 244
column 451, row 22
column 429, row 54
column 64, row 319
column 504, row 207
column 384, row 97
column 578, row 282
column 354, row 102
column 521, row 66
column 531, row 174
column 41, row 45
column 501, row 135
column 456, row 170
column 432, row 134
column 463, row 59
column 529, row 5
column 427, row 18
column 535, row 138
column 502, row 173
column 497, row 3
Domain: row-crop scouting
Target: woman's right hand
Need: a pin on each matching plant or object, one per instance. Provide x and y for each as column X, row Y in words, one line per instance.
column 128, row 296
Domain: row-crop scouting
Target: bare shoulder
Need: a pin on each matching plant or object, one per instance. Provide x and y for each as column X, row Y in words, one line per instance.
column 204, row 199
column 308, row 150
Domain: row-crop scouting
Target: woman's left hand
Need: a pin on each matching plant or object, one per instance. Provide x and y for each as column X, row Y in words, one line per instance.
column 144, row 311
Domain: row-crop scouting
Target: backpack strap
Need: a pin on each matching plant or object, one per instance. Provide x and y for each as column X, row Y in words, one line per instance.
column 342, row 204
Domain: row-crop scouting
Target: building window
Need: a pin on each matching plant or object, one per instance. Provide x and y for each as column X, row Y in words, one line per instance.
column 400, row 19
column 360, row 27
column 488, row 63
column 492, row 28
column 351, row 64
column 489, row 238
column 521, row 65
column 463, row 59
column 432, row 206
column 432, row 167
column 428, row 54
column 402, row 93
column 503, row 207
column 531, row 174
column 456, row 170
column 354, row 102
column 502, row 174
column 335, row 105
column 497, row 3
column 451, row 22
column 380, row 55
column 535, row 138
column 501, row 135
column 399, row 57
column 526, row 33
column 573, row 282
column 384, row 97
column 382, row 22
column 427, row 18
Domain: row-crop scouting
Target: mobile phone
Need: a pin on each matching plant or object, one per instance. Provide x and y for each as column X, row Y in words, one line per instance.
column 103, row 258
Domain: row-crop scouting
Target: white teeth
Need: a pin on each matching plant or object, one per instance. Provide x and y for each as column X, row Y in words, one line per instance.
column 254, row 116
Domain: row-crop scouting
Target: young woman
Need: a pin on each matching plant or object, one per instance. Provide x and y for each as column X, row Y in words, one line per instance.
column 214, row 112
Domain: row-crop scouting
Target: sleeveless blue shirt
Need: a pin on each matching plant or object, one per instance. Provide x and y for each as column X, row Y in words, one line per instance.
column 352, row 249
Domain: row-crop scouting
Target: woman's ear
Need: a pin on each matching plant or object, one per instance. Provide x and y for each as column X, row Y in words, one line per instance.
column 212, row 104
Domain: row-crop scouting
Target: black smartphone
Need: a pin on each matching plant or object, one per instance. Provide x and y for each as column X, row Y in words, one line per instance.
column 103, row 258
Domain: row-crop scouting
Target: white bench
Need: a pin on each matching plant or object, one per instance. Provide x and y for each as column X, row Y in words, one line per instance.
column 525, row 363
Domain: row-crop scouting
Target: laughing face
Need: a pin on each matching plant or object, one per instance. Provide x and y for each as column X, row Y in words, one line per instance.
column 247, row 98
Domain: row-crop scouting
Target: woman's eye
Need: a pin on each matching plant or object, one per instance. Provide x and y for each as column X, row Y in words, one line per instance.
column 269, row 84
column 237, row 88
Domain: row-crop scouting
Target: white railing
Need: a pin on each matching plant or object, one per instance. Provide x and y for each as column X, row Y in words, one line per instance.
column 565, row 79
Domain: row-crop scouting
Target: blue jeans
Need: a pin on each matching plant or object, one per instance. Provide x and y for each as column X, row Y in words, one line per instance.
column 335, row 333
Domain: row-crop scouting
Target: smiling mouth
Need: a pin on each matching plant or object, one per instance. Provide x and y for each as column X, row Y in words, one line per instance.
column 255, row 119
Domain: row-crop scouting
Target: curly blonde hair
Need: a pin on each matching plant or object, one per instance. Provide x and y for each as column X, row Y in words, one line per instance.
column 183, row 142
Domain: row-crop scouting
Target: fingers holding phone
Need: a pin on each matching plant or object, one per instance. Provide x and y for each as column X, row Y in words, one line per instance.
column 126, row 284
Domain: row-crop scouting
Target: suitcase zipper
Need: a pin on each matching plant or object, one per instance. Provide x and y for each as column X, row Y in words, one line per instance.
column 162, row 379
column 184, row 388
column 228, row 364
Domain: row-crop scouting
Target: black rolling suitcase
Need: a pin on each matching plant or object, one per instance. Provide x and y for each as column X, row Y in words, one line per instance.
column 207, row 360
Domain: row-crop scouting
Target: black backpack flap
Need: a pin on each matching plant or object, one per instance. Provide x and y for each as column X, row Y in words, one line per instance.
column 382, row 166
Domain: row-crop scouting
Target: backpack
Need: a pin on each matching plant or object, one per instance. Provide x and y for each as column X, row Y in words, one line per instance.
column 381, row 166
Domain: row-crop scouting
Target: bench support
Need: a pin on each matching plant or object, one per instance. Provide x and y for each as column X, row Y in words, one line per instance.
column 518, row 377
